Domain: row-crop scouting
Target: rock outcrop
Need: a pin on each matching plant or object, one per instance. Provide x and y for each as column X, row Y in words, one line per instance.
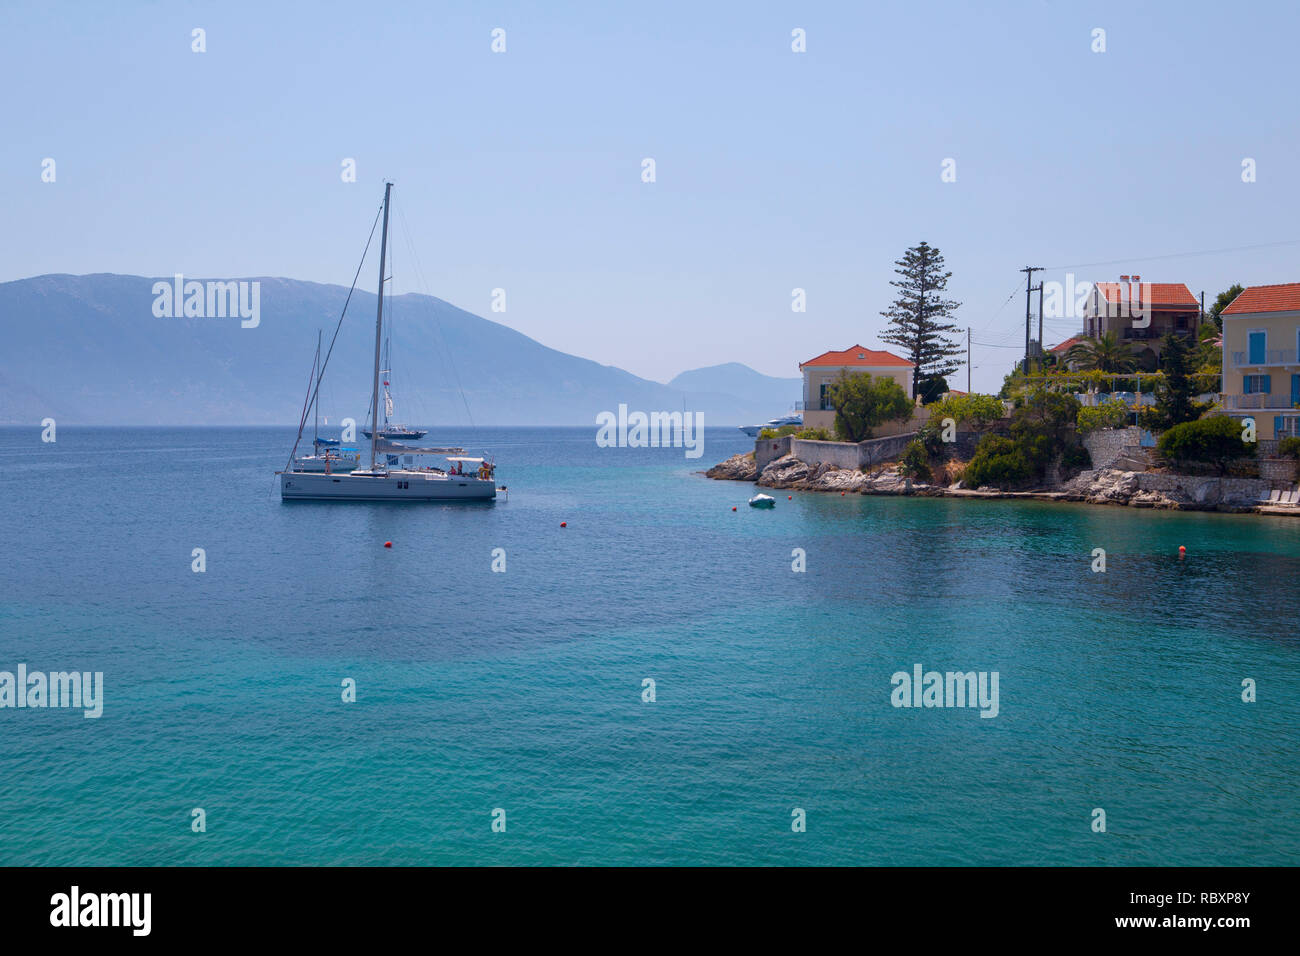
column 789, row 472
column 1157, row 490
column 1105, row 486
column 735, row 468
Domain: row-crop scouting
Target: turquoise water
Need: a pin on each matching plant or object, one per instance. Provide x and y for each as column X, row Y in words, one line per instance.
column 522, row 690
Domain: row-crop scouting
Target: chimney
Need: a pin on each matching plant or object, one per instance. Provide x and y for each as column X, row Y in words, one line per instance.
column 1137, row 281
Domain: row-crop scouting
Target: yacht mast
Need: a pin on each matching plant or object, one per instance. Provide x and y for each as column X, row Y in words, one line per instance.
column 379, row 332
column 315, row 429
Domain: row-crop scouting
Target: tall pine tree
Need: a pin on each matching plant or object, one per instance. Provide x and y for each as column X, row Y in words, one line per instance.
column 918, row 317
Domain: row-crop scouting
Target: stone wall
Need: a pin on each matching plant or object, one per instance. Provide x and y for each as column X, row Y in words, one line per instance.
column 1206, row 491
column 768, row 450
column 1108, row 445
column 1280, row 471
column 838, row 454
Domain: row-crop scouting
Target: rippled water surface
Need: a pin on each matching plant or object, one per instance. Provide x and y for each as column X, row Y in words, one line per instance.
column 523, row 690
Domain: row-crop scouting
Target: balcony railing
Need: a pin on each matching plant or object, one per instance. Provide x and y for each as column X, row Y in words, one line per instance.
column 1279, row 402
column 1271, row 357
column 813, row 407
column 1158, row 332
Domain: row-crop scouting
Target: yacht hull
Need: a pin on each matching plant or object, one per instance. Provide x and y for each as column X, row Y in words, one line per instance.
column 393, row 486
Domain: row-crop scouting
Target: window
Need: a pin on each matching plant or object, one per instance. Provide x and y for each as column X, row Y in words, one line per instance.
column 1257, row 384
column 823, row 404
column 1257, row 348
column 1286, row 426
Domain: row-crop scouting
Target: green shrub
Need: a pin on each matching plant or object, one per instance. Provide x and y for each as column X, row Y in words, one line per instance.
column 1075, row 458
column 781, row 432
column 814, row 434
column 915, row 460
column 972, row 411
column 1210, row 441
column 1000, row 462
column 1111, row 414
column 1289, row 448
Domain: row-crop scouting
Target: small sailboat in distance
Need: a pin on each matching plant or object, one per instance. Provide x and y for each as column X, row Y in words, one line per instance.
column 392, row 431
column 389, row 477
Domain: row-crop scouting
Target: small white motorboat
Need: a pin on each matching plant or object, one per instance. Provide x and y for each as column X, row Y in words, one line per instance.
column 762, row 501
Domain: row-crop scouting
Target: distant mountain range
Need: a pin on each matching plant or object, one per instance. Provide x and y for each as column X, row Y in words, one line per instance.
column 90, row 350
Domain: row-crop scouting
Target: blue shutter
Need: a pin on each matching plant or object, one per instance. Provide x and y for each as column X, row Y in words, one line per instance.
column 1295, row 390
column 1266, row 384
column 1257, row 342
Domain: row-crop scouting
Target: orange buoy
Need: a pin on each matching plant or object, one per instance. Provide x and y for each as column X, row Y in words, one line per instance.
column 1182, row 550
column 733, row 507
column 564, row 524
column 789, row 497
column 388, row 544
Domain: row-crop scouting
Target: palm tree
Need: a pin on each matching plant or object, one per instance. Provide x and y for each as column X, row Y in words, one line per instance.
column 1104, row 354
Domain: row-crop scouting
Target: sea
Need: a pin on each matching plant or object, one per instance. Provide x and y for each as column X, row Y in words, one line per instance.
column 618, row 662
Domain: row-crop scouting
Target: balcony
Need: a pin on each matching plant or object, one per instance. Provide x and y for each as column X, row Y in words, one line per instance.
column 1271, row 357
column 1151, row 334
column 1278, row 402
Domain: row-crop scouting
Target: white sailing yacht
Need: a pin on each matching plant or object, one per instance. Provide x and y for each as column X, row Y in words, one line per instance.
column 392, row 475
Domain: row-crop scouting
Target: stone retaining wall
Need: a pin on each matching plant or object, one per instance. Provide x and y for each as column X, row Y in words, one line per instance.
column 1107, row 445
column 768, row 450
column 1207, row 491
column 1280, row 471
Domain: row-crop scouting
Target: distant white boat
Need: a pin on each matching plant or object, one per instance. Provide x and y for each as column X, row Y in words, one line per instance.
column 753, row 430
column 762, row 501
column 327, row 459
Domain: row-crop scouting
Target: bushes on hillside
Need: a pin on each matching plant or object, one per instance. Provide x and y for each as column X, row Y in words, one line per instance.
column 1111, row 414
column 1289, row 448
column 814, row 434
column 1212, row 441
column 998, row 461
column 1042, row 435
column 915, row 460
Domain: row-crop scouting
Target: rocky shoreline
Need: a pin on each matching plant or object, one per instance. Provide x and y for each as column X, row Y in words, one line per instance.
column 1106, row 486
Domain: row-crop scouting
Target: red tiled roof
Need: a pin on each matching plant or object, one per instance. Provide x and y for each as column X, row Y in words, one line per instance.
column 1266, row 298
column 1152, row 293
column 1065, row 346
column 870, row 358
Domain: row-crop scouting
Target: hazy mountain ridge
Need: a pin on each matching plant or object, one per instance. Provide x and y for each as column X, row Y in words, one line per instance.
column 89, row 350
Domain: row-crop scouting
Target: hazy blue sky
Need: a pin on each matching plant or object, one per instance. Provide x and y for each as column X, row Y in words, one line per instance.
column 775, row 170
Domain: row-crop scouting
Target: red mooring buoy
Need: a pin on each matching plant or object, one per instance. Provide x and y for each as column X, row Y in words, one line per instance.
column 564, row 524
column 388, row 544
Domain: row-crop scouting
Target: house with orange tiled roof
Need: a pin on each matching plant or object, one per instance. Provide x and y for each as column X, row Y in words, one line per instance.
column 1059, row 351
column 821, row 372
column 1141, row 314
column 1261, row 358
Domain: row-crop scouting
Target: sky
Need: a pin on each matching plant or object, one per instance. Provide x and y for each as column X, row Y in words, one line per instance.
column 774, row 170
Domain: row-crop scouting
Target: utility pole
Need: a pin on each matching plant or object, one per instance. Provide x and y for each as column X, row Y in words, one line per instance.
column 1029, row 279
column 1041, row 354
column 968, row 360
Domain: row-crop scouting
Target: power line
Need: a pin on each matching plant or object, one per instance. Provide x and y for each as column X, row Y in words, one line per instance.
column 1178, row 255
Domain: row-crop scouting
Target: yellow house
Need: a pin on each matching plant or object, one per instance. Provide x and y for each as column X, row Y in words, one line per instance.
column 1261, row 358
column 821, row 372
